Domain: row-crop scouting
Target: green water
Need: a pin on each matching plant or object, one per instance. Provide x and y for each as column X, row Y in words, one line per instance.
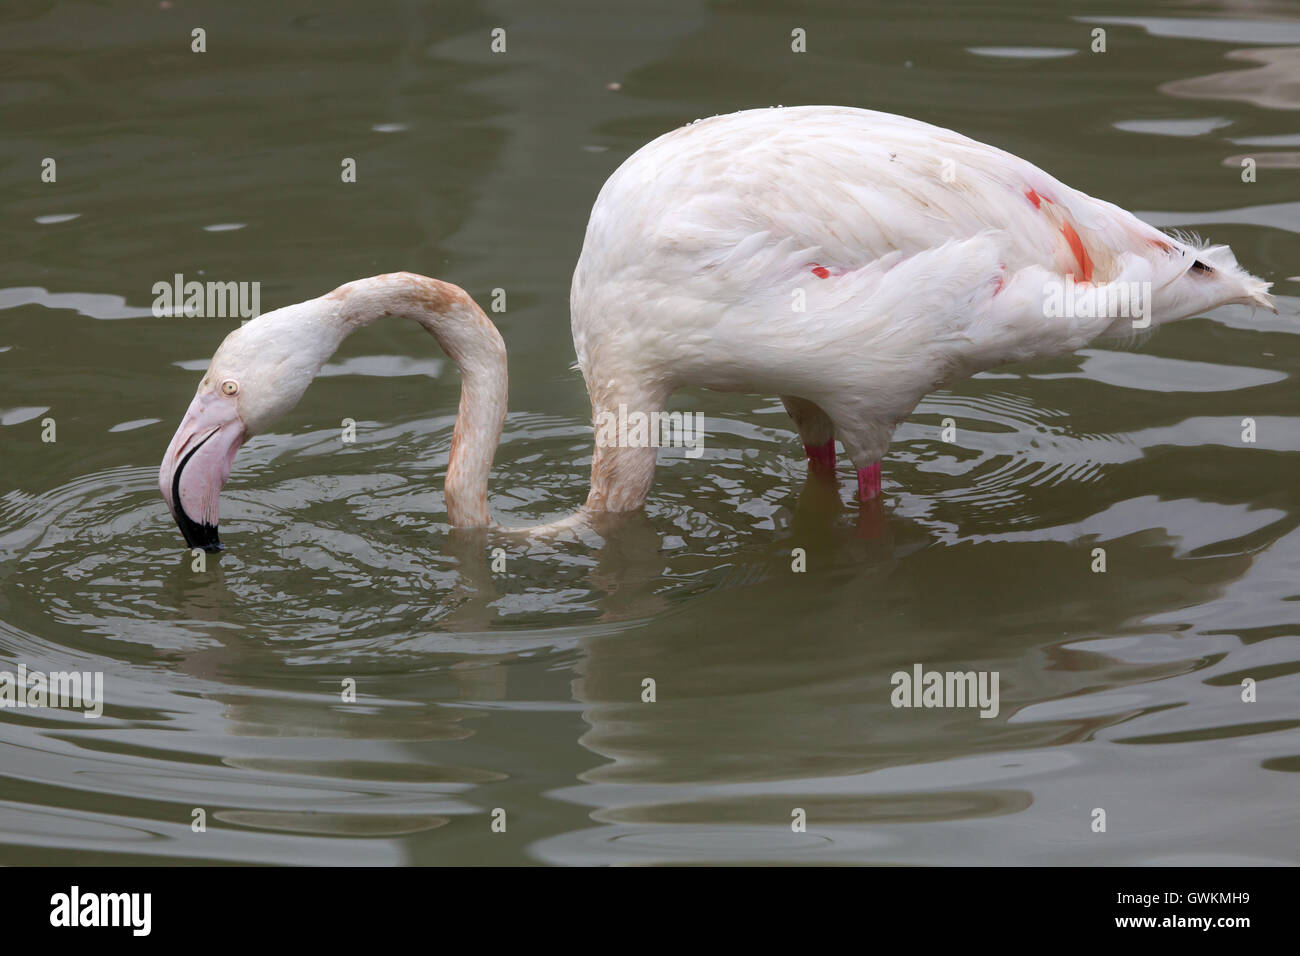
column 522, row 691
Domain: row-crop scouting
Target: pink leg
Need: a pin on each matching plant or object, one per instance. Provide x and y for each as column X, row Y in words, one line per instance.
column 821, row 458
column 869, row 482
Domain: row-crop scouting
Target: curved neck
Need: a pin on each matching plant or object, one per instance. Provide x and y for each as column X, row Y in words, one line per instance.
column 620, row 476
column 471, row 341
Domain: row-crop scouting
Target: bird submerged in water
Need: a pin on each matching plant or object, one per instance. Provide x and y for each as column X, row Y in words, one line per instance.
column 845, row 260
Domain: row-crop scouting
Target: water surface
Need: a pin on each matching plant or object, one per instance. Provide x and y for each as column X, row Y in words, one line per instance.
column 522, row 690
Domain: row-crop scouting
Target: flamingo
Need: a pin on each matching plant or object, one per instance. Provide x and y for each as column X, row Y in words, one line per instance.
column 846, row 260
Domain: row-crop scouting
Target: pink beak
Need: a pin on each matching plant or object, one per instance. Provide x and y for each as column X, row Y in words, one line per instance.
column 197, row 464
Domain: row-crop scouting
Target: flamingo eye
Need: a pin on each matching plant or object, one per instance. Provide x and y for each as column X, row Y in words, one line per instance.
column 1201, row 267
column 229, row 387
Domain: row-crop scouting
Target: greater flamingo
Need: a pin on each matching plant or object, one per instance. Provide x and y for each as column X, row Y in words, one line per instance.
column 846, row 260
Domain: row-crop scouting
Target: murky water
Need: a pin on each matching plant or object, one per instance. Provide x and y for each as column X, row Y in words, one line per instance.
column 479, row 690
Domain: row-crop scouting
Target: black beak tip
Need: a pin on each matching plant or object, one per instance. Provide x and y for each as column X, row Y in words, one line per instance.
column 199, row 535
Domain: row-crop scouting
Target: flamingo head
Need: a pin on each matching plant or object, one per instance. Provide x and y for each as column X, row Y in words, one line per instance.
column 259, row 372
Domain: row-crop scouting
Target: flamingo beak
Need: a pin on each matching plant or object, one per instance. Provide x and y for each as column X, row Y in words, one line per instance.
column 197, row 464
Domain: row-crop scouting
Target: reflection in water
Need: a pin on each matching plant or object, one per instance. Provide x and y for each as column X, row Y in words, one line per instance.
column 1275, row 84
column 757, row 667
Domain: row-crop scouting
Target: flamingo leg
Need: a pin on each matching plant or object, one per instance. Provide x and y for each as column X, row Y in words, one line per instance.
column 873, row 524
column 816, row 431
column 821, row 458
column 869, row 482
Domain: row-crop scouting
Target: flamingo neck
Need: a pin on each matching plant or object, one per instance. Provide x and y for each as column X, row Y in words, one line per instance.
column 620, row 477
column 470, row 340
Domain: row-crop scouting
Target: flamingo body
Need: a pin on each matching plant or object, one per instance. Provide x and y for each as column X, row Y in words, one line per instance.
column 916, row 255
column 845, row 260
